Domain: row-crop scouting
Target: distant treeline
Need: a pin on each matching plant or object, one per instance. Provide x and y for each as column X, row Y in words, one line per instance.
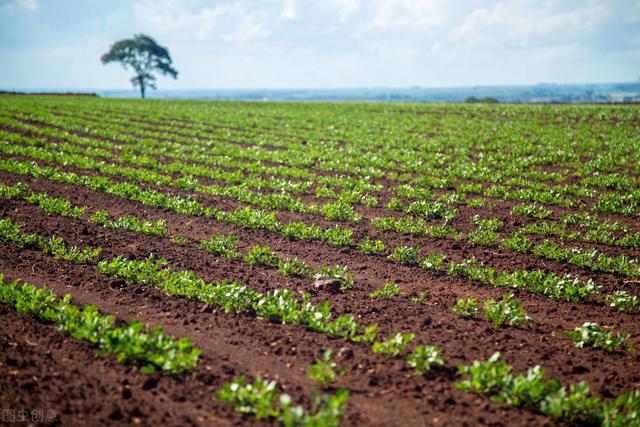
column 5, row 92
column 485, row 100
column 541, row 93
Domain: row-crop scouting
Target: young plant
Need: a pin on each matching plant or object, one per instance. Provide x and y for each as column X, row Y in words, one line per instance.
column 14, row 192
column 425, row 357
column 258, row 398
column 340, row 211
column 394, row 345
column 370, row 247
column 517, row 242
column 130, row 223
column 221, row 245
column 485, row 377
column 261, row 255
column 419, row 297
column 483, row 237
column 179, row 240
column 622, row 301
column 494, row 377
column 533, row 210
column 389, row 290
column 293, row 267
column 508, row 311
column 466, row 308
column 596, row 336
column 405, row 254
column 325, row 371
column 261, row 400
column 433, row 261
column 129, row 343
column 55, row 205
column 487, row 224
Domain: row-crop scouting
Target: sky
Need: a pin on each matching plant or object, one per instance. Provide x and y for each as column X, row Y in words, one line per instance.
column 229, row 44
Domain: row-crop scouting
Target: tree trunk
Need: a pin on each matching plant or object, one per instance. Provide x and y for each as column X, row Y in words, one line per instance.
column 142, row 88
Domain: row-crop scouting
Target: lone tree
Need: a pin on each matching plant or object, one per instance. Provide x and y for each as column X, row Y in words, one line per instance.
column 145, row 56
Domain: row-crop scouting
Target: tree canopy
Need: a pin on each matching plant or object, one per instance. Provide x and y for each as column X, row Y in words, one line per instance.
column 145, row 56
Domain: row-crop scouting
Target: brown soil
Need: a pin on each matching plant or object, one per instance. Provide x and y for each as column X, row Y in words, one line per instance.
column 42, row 368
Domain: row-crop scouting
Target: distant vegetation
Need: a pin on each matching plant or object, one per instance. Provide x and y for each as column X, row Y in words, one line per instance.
column 485, row 100
column 540, row 93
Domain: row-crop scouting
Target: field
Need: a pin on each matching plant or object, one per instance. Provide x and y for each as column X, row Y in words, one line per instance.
column 318, row 264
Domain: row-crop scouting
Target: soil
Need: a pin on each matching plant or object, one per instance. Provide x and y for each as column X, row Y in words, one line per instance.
column 42, row 368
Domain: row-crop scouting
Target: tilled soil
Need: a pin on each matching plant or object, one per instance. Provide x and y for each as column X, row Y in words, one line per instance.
column 41, row 368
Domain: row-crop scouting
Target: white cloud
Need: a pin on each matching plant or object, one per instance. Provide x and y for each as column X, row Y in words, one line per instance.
column 28, row 5
column 415, row 14
column 343, row 9
column 177, row 19
column 308, row 43
column 250, row 28
column 520, row 23
column 289, row 12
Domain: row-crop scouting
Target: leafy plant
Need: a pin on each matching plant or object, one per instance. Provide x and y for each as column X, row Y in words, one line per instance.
column 424, row 358
column 262, row 255
column 419, row 297
column 15, row 192
column 485, row 377
column 130, row 223
column 622, row 301
column 593, row 335
column 508, row 311
column 221, row 245
column 405, row 254
column 260, row 398
column 55, row 205
column 494, row 377
column 483, row 237
column 517, row 242
column 294, row 267
column 533, row 210
column 370, row 247
column 389, row 290
column 433, row 261
column 325, row 371
column 573, row 404
column 466, row 308
column 129, row 343
column 341, row 211
column 179, row 240
column 394, row 345
column 487, row 224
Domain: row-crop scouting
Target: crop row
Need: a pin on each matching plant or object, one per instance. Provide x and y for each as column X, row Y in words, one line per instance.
column 343, row 211
column 550, row 284
column 280, row 306
column 539, row 192
column 129, row 343
column 219, row 245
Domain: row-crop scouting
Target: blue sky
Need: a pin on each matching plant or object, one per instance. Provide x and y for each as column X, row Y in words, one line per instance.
column 324, row 43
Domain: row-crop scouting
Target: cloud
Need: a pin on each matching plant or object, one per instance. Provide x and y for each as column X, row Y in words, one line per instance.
column 177, row 19
column 28, row 5
column 413, row 14
column 521, row 23
column 289, row 12
column 321, row 43
column 343, row 9
column 250, row 28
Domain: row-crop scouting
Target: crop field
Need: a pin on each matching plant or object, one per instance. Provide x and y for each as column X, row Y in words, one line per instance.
column 318, row 264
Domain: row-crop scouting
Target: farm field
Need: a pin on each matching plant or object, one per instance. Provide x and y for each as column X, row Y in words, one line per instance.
column 319, row 264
